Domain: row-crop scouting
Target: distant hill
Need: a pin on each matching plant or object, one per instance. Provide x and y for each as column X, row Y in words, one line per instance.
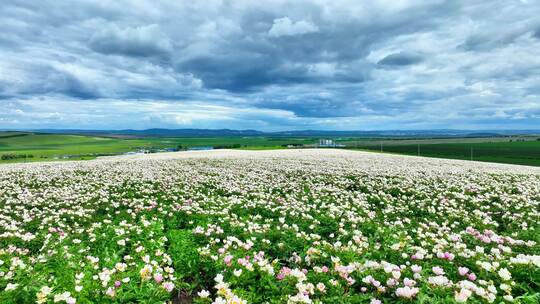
column 157, row 132
column 9, row 134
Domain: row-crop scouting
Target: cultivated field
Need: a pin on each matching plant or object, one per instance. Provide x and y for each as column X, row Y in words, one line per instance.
column 32, row 147
column 496, row 149
column 287, row 226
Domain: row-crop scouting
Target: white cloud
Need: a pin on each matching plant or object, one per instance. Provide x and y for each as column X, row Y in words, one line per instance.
column 260, row 64
column 285, row 27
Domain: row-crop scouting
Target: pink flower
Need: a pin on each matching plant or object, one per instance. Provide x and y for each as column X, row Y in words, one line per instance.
column 485, row 239
column 283, row 273
column 324, row 269
column 117, row 284
column 391, row 282
column 158, row 278
column 406, row 292
column 471, row 276
column 463, row 271
column 409, row 282
column 169, row 286
column 228, row 260
column 445, row 255
column 437, row 270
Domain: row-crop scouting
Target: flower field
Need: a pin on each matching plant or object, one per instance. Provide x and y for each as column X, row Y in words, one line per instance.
column 294, row 226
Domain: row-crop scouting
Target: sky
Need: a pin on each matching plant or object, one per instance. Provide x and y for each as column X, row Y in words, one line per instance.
column 270, row 65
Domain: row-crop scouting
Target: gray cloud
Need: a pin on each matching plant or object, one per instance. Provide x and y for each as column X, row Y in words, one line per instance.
column 143, row 41
column 537, row 33
column 288, row 64
column 400, row 59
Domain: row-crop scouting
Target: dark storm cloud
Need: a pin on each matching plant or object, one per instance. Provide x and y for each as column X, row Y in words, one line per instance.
column 271, row 64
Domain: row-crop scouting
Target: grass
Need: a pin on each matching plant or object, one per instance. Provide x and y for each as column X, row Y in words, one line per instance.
column 60, row 146
column 43, row 147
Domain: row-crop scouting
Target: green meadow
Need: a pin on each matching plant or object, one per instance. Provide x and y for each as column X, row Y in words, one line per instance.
column 43, row 147
column 29, row 147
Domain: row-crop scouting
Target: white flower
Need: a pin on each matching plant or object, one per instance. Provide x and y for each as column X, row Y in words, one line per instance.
column 219, row 300
column 42, row 294
column 203, row 293
column 485, row 265
column 146, row 272
column 505, row 274
column 121, row 267
column 438, row 280
column 463, row 295
column 218, row 278
column 45, row 290
column 508, row 298
column 63, row 297
column 321, row 287
column 10, row 286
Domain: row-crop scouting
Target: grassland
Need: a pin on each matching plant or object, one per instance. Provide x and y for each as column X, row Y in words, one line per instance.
column 40, row 147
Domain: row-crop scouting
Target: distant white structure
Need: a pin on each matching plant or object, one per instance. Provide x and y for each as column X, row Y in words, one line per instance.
column 323, row 142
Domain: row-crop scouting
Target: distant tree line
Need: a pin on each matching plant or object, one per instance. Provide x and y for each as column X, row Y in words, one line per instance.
column 233, row 146
column 10, row 156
